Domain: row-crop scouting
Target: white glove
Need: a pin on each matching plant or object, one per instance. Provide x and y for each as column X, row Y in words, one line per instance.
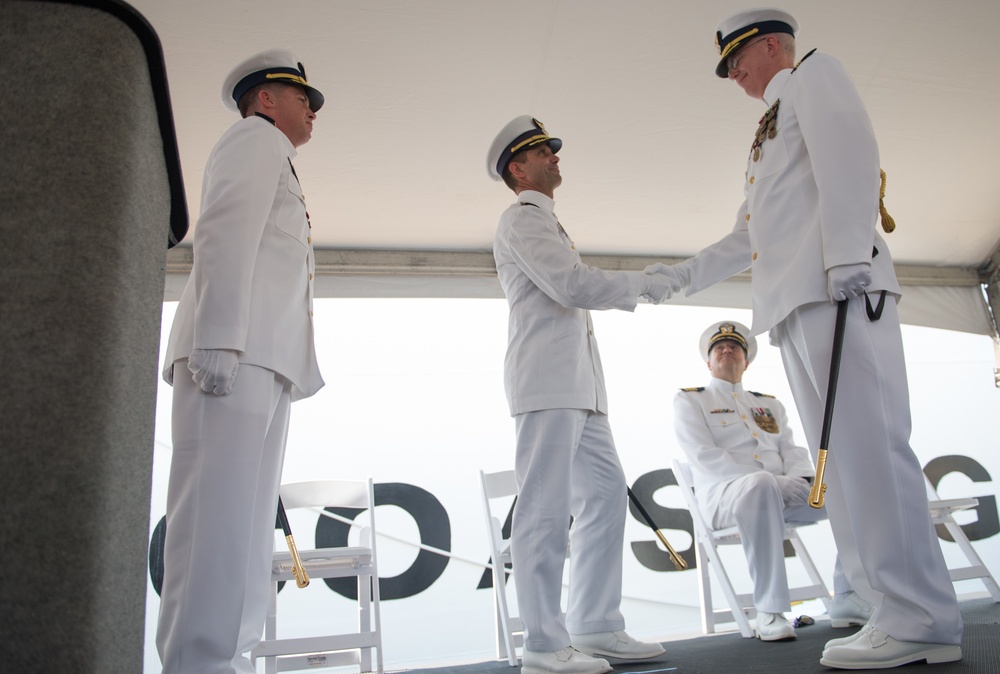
column 794, row 490
column 214, row 370
column 656, row 288
column 679, row 272
column 848, row 280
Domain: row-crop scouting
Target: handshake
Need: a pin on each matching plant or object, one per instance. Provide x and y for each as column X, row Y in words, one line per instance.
column 659, row 281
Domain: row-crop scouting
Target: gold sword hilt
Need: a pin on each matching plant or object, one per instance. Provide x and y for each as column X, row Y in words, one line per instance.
column 299, row 571
column 674, row 557
column 818, row 489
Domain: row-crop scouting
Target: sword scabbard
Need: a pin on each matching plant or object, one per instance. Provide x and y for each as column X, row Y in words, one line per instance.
column 818, row 489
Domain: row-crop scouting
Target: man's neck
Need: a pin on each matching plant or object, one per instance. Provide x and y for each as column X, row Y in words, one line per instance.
column 732, row 379
column 525, row 188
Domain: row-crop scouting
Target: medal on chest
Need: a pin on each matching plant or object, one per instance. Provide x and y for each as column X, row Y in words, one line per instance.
column 766, row 129
column 764, row 419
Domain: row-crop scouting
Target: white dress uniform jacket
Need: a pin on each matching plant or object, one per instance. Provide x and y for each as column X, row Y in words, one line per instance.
column 552, row 359
column 253, row 229
column 727, row 432
column 784, row 231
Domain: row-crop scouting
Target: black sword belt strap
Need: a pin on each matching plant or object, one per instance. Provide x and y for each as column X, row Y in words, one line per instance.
column 876, row 313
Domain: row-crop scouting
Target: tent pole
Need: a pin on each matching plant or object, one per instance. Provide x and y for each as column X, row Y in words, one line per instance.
column 990, row 277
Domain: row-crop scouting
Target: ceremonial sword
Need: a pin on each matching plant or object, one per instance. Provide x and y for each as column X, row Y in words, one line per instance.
column 299, row 571
column 674, row 557
column 818, row 489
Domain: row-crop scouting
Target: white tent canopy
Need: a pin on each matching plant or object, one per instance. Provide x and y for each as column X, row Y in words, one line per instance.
column 654, row 144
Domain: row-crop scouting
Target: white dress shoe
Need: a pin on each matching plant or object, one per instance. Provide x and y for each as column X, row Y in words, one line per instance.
column 877, row 650
column 774, row 627
column 564, row 661
column 843, row 641
column 849, row 609
column 615, row 644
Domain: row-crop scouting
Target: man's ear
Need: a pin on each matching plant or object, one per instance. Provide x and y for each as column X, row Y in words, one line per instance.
column 265, row 98
column 516, row 169
column 771, row 45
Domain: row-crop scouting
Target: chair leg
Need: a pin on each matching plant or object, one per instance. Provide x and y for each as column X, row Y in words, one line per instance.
column 704, row 589
column 505, row 640
column 739, row 615
column 365, row 619
column 499, row 627
column 955, row 529
column 271, row 630
column 377, row 624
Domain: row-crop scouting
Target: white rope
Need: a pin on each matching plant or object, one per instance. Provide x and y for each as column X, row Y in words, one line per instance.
column 380, row 534
column 445, row 553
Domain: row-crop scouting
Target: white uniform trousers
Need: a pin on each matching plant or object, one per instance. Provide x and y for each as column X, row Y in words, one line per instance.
column 753, row 504
column 566, row 464
column 221, row 502
column 876, row 496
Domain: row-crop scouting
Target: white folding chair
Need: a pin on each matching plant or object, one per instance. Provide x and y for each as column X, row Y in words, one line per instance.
column 509, row 630
column 353, row 648
column 942, row 513
column 707, row 542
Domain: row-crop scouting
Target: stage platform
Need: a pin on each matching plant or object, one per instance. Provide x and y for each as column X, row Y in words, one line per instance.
column 730, row 653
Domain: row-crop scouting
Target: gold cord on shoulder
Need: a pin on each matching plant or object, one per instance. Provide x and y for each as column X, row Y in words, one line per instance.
column 888, row 224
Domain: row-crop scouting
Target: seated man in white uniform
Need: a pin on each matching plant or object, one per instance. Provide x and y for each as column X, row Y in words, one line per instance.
column 749, row 473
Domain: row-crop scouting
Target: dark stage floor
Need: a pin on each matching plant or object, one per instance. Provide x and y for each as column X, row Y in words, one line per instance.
column 729, row 652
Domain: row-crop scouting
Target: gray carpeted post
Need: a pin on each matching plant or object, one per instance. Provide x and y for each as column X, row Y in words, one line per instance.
column 85, row 207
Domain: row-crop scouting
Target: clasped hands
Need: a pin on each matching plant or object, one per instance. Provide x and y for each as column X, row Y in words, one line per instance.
column 794, row 490
column 659, row 281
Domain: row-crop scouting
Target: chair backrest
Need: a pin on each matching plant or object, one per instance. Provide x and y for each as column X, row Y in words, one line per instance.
column 497, row 485
column 328, row 493
column 685, row 480
column 682, row 472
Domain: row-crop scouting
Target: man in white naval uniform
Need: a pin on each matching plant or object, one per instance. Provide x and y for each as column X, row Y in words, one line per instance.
column 566, row 464
column 240, row 350
column 807, row 231
column 749, row 473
